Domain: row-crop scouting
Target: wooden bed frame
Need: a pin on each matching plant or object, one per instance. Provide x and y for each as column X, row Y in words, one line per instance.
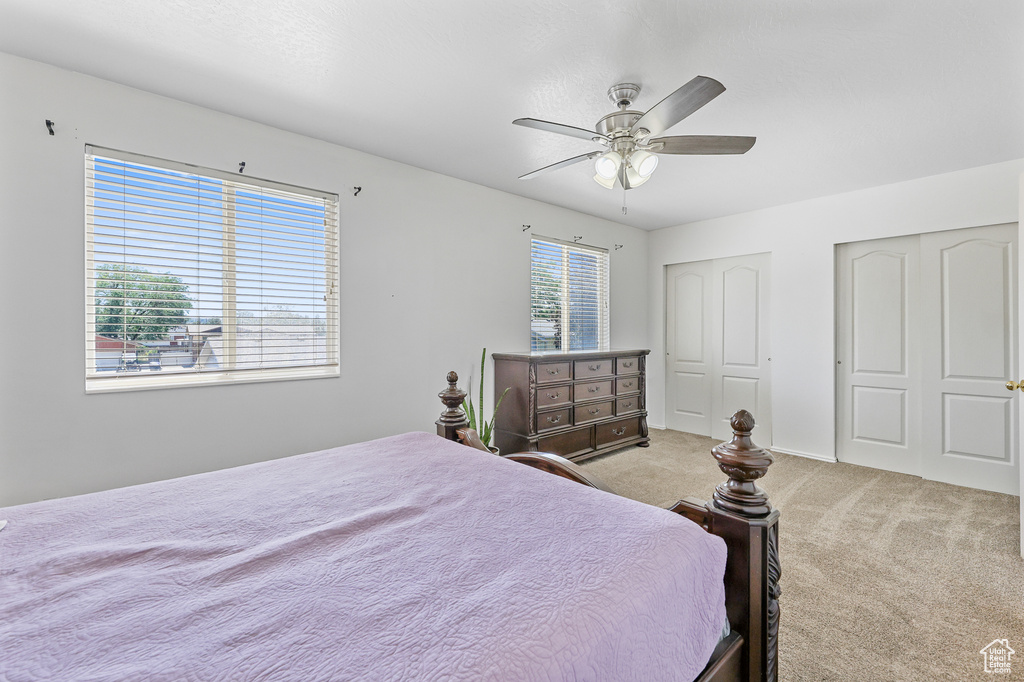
column 739, row 513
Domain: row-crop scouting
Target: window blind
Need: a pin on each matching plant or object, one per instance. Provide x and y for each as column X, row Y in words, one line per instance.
column 195, row 276
column 568, row 296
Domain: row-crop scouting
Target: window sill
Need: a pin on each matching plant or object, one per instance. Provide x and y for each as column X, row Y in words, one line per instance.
column 146, row 381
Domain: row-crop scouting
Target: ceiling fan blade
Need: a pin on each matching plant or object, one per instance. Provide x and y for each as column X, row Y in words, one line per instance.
column 561, row 164
column 680, row 104
column 703, row 144
column 560, row 128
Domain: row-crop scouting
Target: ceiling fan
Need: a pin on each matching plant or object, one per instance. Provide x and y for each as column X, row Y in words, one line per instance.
column 630, row 137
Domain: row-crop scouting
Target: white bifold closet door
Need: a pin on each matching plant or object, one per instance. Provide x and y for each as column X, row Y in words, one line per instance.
column 926, row 339
column 717, row 329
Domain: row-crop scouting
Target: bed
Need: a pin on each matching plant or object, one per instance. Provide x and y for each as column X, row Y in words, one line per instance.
column 412, row 557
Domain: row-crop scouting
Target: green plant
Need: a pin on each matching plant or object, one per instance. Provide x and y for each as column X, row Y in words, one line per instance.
column 485, row 428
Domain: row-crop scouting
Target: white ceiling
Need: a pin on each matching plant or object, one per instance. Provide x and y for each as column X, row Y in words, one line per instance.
column 841, row 94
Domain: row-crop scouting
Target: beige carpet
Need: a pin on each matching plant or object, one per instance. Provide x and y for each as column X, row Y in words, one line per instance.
column 884, row 576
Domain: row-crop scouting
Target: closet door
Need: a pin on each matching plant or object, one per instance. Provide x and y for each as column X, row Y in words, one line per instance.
column 970, row 318
column 717, row 327
column 740, row 333
column 926, row 338
column 688, row 345
column 877, row 399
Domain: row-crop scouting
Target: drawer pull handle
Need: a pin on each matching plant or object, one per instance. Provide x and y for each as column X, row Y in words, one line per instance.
column 554, row 420
column 628, row 363
column 627, row 384
column 594, row 368
column 619, row 432
column 594, row 410
column 556, row 370
column 553, row 396
column 628, row 405
column 593, row 389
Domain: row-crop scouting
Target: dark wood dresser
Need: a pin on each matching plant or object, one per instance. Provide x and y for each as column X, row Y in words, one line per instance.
column 575, row 404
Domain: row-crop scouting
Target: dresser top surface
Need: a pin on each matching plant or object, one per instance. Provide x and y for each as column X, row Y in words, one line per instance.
column 567, row 355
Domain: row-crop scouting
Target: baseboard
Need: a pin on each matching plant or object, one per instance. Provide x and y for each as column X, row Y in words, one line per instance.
column 808, row 455
column 797, row 453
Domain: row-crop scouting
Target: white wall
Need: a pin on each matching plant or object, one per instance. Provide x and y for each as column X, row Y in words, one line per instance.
column 432, row 269
column 801, row 238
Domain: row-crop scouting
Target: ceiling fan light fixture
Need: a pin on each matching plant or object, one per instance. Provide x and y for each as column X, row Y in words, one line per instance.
column 607, row 183
column 643, row 162
column 634, row 178
column 607, row 166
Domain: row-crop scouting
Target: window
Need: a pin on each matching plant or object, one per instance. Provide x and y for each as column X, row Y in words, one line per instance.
column 568, row 296
column 196, row 276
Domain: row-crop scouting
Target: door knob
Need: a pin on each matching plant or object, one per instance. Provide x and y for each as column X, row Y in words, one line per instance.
column 1014, row 385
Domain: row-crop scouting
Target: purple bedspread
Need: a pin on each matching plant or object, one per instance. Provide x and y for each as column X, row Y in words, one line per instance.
column 405, row 558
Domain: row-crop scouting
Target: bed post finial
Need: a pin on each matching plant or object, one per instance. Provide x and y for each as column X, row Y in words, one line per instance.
column 453, row 418
column 741, row 515
column 743, row 462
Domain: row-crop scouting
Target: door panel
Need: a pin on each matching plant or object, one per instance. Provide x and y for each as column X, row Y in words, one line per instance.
column 977, row 427
column 689, row 325
column 740, row 341
column 688, row 382
column 690, row 389
column 739, row 393
column 969, row 434
column 879, row 324
column 740, row 293
column 976, row 311
column 880, row 415
column 876, row 412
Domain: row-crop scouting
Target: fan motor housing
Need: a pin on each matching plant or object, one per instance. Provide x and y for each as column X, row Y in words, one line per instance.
column 624, row 94
column 617, row 123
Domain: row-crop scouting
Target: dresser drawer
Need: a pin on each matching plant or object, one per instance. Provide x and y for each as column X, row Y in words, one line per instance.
column 624, row 385
column 593, row 389
column 591, row 411
column 617, row 430
column 627, row 404
column 549, row 372
column 551, row 396
column 587, row 369
column 552, row 420
column 627, row 365
column 567, row 444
